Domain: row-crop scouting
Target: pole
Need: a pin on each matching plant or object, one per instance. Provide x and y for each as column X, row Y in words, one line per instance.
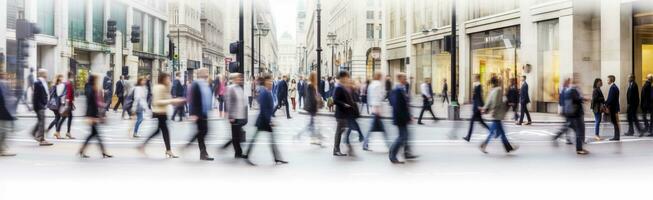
column 319, row 41
column 241, row 38
column 454, row 110
column 259, row 53
column 178, row 52
column 332, row 58
column 259, row 42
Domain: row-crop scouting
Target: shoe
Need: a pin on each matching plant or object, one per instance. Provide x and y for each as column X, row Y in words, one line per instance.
column 366, row 149
column 582, row 152
column 169, row 154
column 206, row 158
column 69, row 136
column 411, row 156
column 57, row 136
column 45, row 143
column 629, row 134
column 5, row 154
column 597, row 138
column 420, row 123
column 514, row 148
column 280, row 162
column 614, row 139
column 482, row 148
column 82, row 155
column 528, row 123
column 397, row 162
column 337, row 153
column 105, row 155
column 249, row 162
column 240, row 156
column 466, row 139
column 569, row 142
column 518, row 124
column 135, row 135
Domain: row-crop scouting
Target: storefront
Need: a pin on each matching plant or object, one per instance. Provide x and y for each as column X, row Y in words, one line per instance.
column 495, row 52
column 548, row 60
column 81, row 65
column 144, row 67
column 643, row 41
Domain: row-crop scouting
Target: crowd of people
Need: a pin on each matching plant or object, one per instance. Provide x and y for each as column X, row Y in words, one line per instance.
column 233, row 97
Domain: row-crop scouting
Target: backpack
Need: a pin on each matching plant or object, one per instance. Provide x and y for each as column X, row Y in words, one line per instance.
column 55, row 100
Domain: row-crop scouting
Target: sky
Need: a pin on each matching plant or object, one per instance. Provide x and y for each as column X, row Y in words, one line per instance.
column 284, row 12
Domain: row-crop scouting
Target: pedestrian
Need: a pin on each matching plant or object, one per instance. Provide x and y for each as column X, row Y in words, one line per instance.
column 401, row 117
column 69, row 104
column 93, row 115
column 612, row 105
column 57, row 91
column 120, row 93
column 497, row 107
column 264, row 121
column 573, row 110
column 427, row 99
column 178, row 92
column 321, row 88
column 568, row 120
column 200, row 105
column 29, row 88
column 363, row 96
column 524, row 100
column 597, row 106
column 107, row 86
column 646, row 104
column 220, row 90
column 301, row 91
column 247, row 89
column 477, row 104
column 39, row 104
column 632, row 100
column 126, row 107
column 293, row 94
column 7, row 114
column 513, row 98
column 388, row 86
column 445, row 91
column 140, row 104
column 149, row 91
column 312, row 103
column 345, row 111
column 161, row 98
column 282, row 96
column 376, row 94
column 237, row 113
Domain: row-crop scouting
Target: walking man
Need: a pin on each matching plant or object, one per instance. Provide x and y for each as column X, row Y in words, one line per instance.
column 612, row 104
column 200, row 104
column 401, row 118
column 345, row 110
column 120, row 93
column 477, row 104
column 178, row 92
column 301, row 91
column 236, row 112
column 647, row 108
column 427, row 99
column 282, row 96
column 107, row 86
column 39, row 102
column 445, row 91
column 524, row 100
column 7, row 114
column 632, row 98
column 573, row 110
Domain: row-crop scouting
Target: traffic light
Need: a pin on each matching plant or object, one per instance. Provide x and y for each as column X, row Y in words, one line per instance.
column 171, row 50
column 136, row 34
column 26, row 29
column 234, row 67
column 111, row 31
column 234, row 47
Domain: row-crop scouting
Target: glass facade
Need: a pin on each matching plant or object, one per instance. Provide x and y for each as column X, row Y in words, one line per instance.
column 548, row 57
column 98, row 21
column 150, row 34
column 422, row 62
column 13, row 6
column 483, row 8
column 76, row 19
column 162, row 37
column 119, row 14
column 494, row 52
column 45, row 20
column 432, row 62
column 138, row 21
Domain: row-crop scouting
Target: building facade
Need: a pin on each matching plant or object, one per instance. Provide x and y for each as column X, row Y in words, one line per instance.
column 213, row 34
column 186, row 34
column 287, row 61
column 73, row 37
column 544, row 40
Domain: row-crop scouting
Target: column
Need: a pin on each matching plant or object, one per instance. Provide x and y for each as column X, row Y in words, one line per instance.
column 616, row 43
column 88, row 14
column 409, row 45
column 62, row 50
column 31, row 16
column 145, row 32
column 527, row 53
column 464, row 46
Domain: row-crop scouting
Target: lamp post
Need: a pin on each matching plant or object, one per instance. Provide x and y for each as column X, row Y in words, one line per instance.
column 454, row 109
column 332, row 42
column 319, row 40
column 261, row 30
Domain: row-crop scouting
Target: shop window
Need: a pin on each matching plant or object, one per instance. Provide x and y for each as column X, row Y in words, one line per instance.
column 549, row 60
column 495, row 53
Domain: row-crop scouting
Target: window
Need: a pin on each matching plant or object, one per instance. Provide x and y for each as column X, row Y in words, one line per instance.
column 119, row 14
column 138, row 21
column 98, row 21
column 150, row 34
column 162, row 37
column 380, row 31
column 482, row 8
column 548, row 57
column 370, row 31
column 45, row 19
column 77, row 20
column 13, row 6
column 370, row 14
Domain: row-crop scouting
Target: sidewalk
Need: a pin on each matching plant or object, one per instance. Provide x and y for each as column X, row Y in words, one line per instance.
column 441, row 112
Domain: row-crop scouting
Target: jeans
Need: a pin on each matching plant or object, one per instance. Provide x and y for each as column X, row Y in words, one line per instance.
column 377, row 126
column 401, row 141
column 70, row 120
column 139, row 120
column 496, row 130
column 309, row 128
column 300, row 100
column 598, row 116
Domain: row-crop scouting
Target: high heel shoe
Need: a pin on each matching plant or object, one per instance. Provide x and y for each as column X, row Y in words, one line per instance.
column 82, row 155
column 69, row 136
column 57, row 135
column 104, row 155
column 169, row 154
column 280, row 162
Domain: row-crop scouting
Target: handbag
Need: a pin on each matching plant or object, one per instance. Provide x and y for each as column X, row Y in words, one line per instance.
column 55, row 102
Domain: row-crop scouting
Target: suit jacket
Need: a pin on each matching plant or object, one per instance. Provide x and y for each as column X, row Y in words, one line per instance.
column 266, row 109
column 477, row 97
column 40, row 96
column 400, row 109
column 646, row 96
column 177, row 89
column 120, row 88
column 345, row 106
column 196, row 105
column 523, row 94
column 301, row 87
column 632, row 94
column 613, row 99
column 282, row 90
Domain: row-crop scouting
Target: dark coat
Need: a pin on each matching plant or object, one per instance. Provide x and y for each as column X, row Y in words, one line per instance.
column 177, row 89
column 632, row 95
column 120, row 88
column 282, row 90
column 310, row 103
column 6, row 104
column 523, row 94
column 301, row 88
column 195, row 108
column 597, row 100
column 400, row 107
column 345, row 106
column 613, row 99
column 646, row 96
column 92, row 107
column 477, row 97
column 267, row 108
column 39, row 97
column 513, row 95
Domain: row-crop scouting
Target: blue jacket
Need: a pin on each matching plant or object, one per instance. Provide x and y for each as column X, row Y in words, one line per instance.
column 523, row 94
column 400, row 108
column 613, row 99
column 7, row 103
column 267, row 107
column 300, row 88
column 282, row 90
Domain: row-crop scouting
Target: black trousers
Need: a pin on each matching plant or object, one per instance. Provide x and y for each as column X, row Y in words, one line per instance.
column 179, row 110
column 55, row 121
column 202, row 130
column 273, row 143
column 94, row 134
column 162, row 128
column 426, row 106
column 300, row 100
column 614, row 119
column 70, row 120
column 236, row 138
column 353, row 126
column 120, row 101
column 633, row 121
column 341, row 125
column 578, row 125
column 283, row 102
column 524, row 111
column 476, row 116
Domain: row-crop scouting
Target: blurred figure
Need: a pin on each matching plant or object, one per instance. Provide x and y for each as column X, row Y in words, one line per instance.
column 30, row 87
column 107, row 86
column 219, row 92
column 94, row 115
column 321, row 88
column 568, row 123
column 376, row 94
column 282, row 96
column 301, row 91
column 264, row 121
column 178, row 92
column 363, row 96
column 427, row 99
column 312, row 103
column 161, row 98
column 40, row 102
column 293, row 94
column 55, row 103
column 69, row 104
column 632, row 100
column 7, row 114
column 140, row 104
column 148, row 81
column 445, row 91
column 573, row 111
column 612, row 105
column 247, row 89
column 120, row 93
column 401, row 117
column 477, row 104
column 647, row 105
column 597, row 106
column 513, row 98
column 128, row 89
column 388, row 86
column 497, row 107
column 524, row 100
column 346, row 111
column 237, row 113
column 200, row 104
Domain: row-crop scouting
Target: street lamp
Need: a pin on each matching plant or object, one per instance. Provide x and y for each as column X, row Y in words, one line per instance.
column 332, row 42
column 260, row 31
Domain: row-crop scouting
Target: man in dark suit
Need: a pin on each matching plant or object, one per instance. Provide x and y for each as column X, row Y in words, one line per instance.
column 612, row 103
column 7, row 114
column 282, row 96
column 345, row 110
column 524, row 100
column 107, row 86
column 178, row 92
column 320, row 88
column 120, row 92
column 200, row 106
column 301, row 90
column 477, row 103
column 401, row 117
column 646, row 104
column 39, row 103
column 632, row 100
